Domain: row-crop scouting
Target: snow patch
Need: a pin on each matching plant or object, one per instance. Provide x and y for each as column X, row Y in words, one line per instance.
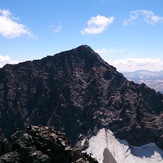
column 121, row 150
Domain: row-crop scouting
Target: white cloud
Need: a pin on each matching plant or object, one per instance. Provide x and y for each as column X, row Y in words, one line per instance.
column 129, row 64
column 145, row 15
column 105, row 52
column 133, row 64
column 97, row 25
column 6, row 59
column 10, row 27
column 57, row 28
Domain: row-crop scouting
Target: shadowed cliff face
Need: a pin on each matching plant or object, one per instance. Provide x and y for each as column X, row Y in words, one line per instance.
column 78, row 93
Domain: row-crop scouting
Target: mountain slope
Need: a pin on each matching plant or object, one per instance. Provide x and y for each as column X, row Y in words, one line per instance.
column 78, row 93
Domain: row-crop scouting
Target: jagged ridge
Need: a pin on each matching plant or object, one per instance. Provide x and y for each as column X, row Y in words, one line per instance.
column 78, row 93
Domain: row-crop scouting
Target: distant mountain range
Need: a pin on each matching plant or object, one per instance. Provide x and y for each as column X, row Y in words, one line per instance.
column 153, row 79
column 79, row 94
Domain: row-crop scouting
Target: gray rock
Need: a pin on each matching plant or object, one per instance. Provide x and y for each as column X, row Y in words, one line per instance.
column 42, row 145
column 108, row 157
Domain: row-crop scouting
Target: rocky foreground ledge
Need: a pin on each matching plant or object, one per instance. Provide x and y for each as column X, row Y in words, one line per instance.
column 40, row 144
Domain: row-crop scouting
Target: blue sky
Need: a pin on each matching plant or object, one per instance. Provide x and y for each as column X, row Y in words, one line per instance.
column 127, row 34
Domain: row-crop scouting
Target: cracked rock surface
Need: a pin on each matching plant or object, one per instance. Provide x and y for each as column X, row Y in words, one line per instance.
column 40, row 144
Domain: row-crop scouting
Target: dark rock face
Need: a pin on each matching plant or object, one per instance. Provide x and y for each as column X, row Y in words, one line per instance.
column 41, row 144
column 78, row 93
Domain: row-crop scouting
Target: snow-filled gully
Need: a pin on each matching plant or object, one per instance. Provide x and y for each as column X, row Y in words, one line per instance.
column 107, row 149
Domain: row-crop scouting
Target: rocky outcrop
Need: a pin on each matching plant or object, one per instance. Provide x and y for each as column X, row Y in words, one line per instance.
column 78, row 93
column 40, row 144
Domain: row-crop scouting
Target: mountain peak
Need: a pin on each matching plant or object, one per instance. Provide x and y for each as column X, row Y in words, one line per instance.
column 84, row 47
column 78, row 93
column 87, row 50
column 83, row 50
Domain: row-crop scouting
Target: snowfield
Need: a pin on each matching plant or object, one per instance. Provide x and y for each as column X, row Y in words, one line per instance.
column 121, row 151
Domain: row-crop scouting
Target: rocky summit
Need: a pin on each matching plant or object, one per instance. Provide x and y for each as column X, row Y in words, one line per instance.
column 78, row 93
column 40, row 144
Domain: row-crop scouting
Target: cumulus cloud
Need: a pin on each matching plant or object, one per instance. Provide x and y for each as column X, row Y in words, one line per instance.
column 10, row 26
column 97, row 25
column 4, row 59
column 133, row 64
column 146, row 16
